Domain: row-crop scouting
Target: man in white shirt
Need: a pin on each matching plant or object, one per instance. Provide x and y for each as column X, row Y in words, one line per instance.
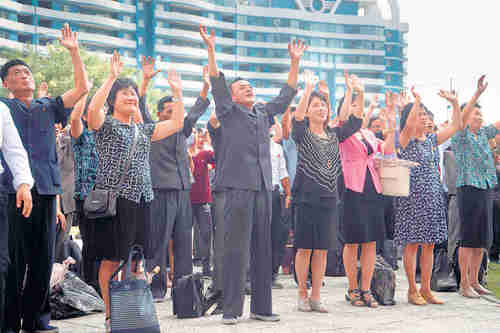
column 14, row 154
column 281, row 183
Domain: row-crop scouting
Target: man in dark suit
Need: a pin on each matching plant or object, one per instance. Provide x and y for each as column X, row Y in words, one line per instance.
column 32, row 239
column 245, row 174
column 171, row 206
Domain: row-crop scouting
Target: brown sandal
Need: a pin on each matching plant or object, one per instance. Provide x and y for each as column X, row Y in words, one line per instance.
column 354, row 297
column 368, row 300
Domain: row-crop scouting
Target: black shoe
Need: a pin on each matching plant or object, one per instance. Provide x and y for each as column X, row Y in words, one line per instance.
column 45, row 329
column 272, row 317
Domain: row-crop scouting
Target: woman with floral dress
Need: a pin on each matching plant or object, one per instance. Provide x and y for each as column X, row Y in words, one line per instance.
column 421, row 217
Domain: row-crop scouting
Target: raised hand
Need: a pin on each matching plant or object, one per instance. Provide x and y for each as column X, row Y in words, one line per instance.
column 374, row 101
column 481, row 85
column 206, row 76
column 43, row 90
column 310, row 80
column 148, row 68
column 323, row 89
column 348, row 82
column 68, row 39
column 450, row 96
column 356, row 83
column 296, row 49
column 174, row 80
column 208, row 39
column 416, row 95
column 116, row 65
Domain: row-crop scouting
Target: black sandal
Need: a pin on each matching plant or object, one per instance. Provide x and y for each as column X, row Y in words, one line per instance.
column 353, row 296
column 368, row 299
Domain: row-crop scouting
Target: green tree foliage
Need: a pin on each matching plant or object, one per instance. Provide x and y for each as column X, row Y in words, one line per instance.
column 55, row 68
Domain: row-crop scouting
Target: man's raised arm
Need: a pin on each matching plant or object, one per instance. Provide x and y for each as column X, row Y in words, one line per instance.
column 69, row 40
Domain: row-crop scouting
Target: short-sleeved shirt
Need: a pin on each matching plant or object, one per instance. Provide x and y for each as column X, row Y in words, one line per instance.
column 86, row 163
column 35, row 125
column 114, row 142
column 475, row 165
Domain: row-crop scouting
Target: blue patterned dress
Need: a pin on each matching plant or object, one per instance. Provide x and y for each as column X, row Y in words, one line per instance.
column 421, row 217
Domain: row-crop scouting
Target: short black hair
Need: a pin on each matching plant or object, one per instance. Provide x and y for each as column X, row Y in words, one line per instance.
column 406, row 112
column 239, row 78
column 121, row 83
column 316, row 94
column 372, row 119
column 163, row 100
column 4, row 71
column 476, row 105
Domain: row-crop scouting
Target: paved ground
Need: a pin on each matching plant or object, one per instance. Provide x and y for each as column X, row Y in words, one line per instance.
column 457, row 315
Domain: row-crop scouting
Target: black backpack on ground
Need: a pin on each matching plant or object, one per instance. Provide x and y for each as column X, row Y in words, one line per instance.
column 443, row 273
column 383, row 286
column 188, row 296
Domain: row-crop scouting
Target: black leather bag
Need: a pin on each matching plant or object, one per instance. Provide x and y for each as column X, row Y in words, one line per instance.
column 101, row 203
column 189, row 299
column 443, row 275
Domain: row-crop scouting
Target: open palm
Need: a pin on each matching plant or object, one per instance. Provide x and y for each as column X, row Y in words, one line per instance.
column 209, row 39
column 174, row 80
column 68, row 39
column 148, row 68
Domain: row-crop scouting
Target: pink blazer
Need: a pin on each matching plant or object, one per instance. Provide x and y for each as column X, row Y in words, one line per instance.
column 355, row 160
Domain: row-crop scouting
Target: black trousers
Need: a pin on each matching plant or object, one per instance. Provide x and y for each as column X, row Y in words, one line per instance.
column 279, row 233
column 247, row 219
column 4, row 253
column 495, row 247
column 219, row 236
column 203, row 218
column 171, row 218
column 90, row 266
column 31, row 251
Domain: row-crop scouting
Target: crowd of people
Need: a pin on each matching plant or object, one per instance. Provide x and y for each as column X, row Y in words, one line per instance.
column 245, row 183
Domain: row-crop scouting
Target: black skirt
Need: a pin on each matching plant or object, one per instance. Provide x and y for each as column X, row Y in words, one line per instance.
column 112, row 238
column 363, row 216
column 314, row 225
column 475, row 208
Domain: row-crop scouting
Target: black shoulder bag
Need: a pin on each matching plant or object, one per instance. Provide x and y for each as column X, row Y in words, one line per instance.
column 101, row 203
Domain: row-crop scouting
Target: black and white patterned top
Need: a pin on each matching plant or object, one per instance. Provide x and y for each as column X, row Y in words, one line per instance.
column 114, row 141
column 421, row 217
column 319, row 165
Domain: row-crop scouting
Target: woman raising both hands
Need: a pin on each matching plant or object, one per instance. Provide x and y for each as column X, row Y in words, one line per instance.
column 364, row 220
column 315, row 186
column 115, row 134
column 421, row 217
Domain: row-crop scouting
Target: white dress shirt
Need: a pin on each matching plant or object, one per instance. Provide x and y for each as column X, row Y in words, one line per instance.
column 278, row 164
column 13, row 150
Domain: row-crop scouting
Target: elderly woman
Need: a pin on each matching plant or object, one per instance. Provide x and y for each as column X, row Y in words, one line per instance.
column 421, row 217
column 476, row 177
column 364, row 220
column 315, row 187
column 111, row 238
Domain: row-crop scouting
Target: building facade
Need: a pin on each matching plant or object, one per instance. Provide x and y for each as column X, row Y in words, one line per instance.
column 364, row 37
